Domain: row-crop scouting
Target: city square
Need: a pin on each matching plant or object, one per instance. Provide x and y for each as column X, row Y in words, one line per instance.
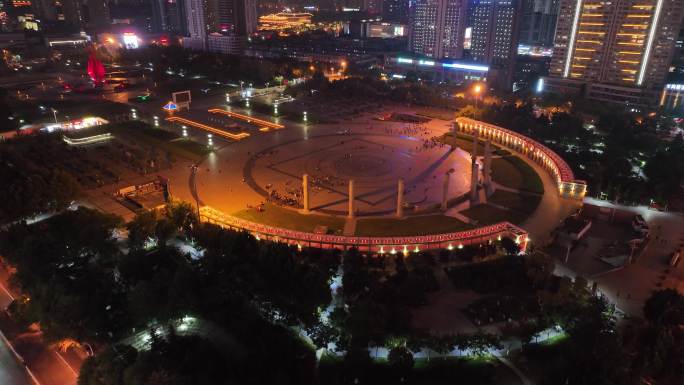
column 341, row 192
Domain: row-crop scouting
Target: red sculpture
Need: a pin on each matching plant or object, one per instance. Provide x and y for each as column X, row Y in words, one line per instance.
column 95, row 69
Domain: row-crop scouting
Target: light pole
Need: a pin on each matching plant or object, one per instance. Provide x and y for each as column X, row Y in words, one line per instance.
column 477, row 90
column 54, row 113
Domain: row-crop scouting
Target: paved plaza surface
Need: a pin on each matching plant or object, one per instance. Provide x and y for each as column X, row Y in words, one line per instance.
column 630, row 286
column 374, row 161
column 375, row 154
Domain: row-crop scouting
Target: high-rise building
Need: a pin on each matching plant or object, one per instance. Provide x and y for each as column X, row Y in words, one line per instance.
column 177, row 20
column 168, row 16
column 617, row 51
column 98, row 13
column 237, row 16
column 395, row 10
column 538, row 23
column 160, row 17
column 677, row 68
column 72, row 10
column 196, row 38
column 373, row 7
column 437, row 28
column 494, row 37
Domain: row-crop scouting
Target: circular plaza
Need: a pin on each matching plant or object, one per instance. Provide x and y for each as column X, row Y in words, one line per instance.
column 385, row 186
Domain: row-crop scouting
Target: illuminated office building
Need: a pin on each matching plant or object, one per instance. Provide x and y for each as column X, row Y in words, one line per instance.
column 616, row 51
column 437, row 28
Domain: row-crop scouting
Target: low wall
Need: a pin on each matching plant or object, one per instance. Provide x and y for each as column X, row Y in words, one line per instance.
column 551, row 162
column 391, row 245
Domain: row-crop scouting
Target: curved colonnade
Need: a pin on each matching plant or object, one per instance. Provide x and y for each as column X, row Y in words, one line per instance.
column 379, row 245
column 554, row 165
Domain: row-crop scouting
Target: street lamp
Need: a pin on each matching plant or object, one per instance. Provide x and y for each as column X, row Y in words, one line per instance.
column 477, row 90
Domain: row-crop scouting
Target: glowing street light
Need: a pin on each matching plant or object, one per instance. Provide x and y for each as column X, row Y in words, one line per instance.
column 156, row 121
column 477, row 90
column 305, row 117
column 227, row 98
column 134, row 113
column 210, row 140
column 246, row 102
column 275, row 109
column 185, row 131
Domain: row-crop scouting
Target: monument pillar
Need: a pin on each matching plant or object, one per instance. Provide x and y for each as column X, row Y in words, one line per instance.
column 488, row 168
column 351, row 199
column 474, row 174
column 305, row 193
column 445, row 190
column 400, row 198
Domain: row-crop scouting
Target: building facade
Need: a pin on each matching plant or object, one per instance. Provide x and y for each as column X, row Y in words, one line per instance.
column 236, row 17
column 494, row 37
column 98, row 14
column 196, row 38
column 538, row 23
column 622, row 48
column 395, row 10
column 437, row 28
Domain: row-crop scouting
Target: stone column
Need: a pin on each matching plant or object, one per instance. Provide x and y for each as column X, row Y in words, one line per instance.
column 474, row 145
column 305, row 193
column 400, row 198
column 488, row 168
column 351, row 199
column 474, row 170
column 445, row 190
column 474, row 180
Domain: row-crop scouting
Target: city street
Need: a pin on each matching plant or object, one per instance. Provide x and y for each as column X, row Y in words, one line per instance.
column 44, row 364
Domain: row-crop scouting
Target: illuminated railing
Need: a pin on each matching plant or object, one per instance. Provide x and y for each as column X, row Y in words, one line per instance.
column 88, row 140
column 554, row 165
column 380, row 245
column 247, row 118
column 213, row 130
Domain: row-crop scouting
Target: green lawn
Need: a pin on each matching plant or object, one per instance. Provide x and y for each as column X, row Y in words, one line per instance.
column 513, row 172
column 436, row 113
column 486, row 214
column 525, row 203
column 280, row 217
column 417, row 225
column 466, row 143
